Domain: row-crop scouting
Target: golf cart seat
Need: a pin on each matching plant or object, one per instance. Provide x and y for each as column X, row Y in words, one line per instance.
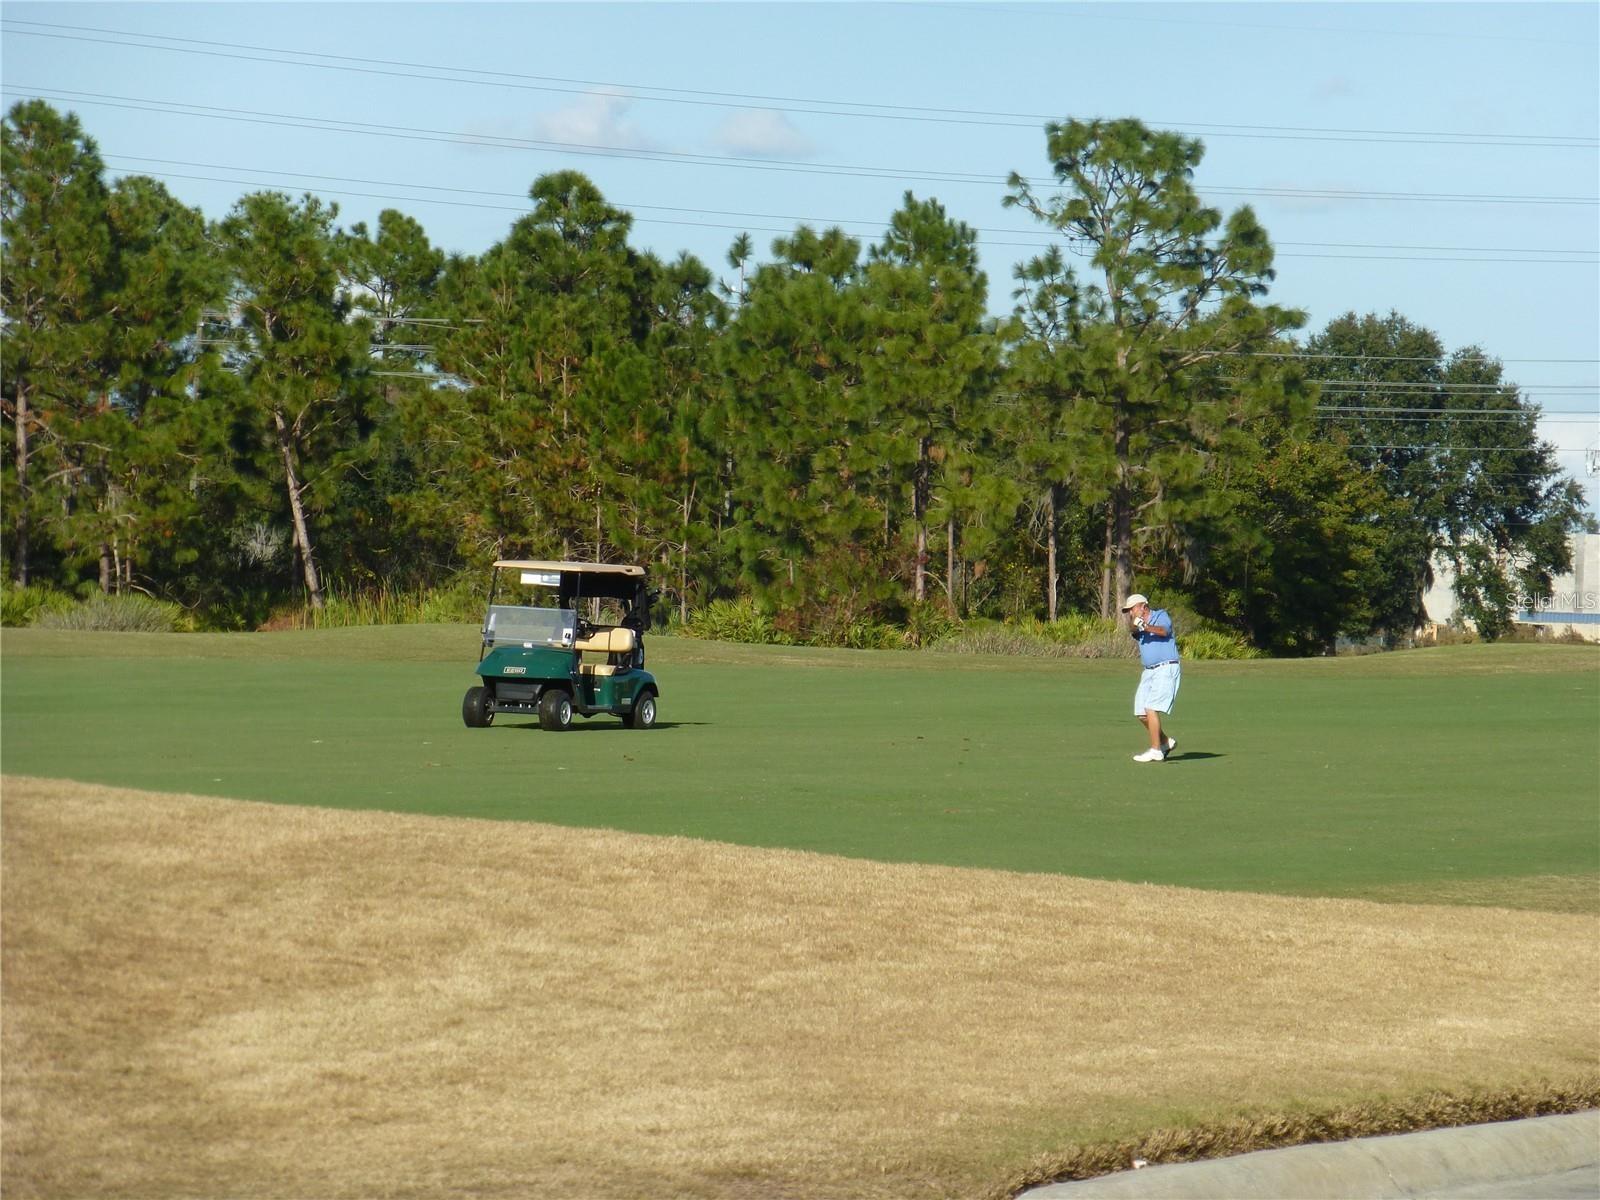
column 617, row 643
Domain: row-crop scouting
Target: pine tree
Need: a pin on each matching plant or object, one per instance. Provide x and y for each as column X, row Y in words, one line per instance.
column 932, row 365
column 303, row 361
column 58, row 270
column 546, row 331
column 673, row 450
column 149, row 431
column 392, row 279
column 104, row 287
column 1042, row 419
column 810, row 526
column 1174, row 288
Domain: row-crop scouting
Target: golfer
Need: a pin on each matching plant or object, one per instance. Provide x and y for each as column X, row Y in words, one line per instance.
column 1158, row 683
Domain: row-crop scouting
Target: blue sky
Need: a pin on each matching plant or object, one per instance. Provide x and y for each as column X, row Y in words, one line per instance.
column 1442, row 160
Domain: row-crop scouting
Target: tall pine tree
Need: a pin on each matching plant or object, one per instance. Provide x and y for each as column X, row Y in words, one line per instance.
column 58, row 271
column 303, row 360
column 1174, row 287
column 545, row 331
column 931, row 368
column 811, row 527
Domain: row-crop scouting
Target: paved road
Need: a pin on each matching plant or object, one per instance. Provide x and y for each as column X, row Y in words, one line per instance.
column 1546, row 1158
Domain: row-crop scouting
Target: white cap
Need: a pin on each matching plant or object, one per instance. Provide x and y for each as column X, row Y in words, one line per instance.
column 1136, row 598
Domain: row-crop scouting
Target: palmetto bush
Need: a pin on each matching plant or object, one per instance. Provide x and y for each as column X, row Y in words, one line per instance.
column 870, row 635
column 734, row 621
column 25, row 605
column 1216, row 643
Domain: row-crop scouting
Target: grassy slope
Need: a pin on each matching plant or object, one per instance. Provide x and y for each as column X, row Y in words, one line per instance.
column 1458, row 774
column 209, row 998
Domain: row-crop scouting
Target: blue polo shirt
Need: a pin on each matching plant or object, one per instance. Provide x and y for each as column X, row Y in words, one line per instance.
column 1153, row 648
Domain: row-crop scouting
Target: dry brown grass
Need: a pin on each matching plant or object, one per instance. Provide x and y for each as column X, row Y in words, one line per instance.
column 207, row 997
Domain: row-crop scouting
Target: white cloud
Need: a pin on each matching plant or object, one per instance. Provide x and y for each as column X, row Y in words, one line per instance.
column 1333, row 87
column 759, row 133
column 594, row 119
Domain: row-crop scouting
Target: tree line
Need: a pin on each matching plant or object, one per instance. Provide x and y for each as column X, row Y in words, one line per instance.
column 238, row 415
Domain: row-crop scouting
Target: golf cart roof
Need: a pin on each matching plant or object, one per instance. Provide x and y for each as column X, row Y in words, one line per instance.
column 526, row 564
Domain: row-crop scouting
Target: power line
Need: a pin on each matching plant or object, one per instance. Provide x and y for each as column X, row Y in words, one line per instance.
column 1538, row 414
column 491, row 141
column 1414, row 422
column 1477, row 450
column 1491, row 422
column 1512, row 392
column 702, row 97
column 1576, row 262
column 1387, row 357
column 1431, row 413
column 742, row 162
column 1447, row 386
column 1465, row 249
column 1540, row 410
column 1321, row 30
column 1474, row 449
column 840, row 221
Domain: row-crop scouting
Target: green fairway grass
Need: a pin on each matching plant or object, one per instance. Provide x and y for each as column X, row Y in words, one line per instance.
column 1418, row 772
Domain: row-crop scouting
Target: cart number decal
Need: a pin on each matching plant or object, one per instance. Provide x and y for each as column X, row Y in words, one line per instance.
column 516, row 670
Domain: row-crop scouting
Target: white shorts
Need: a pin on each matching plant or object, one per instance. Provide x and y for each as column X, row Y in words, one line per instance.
column 1158, row 688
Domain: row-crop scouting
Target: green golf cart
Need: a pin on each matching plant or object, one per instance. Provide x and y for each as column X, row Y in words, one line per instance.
column 561, row 638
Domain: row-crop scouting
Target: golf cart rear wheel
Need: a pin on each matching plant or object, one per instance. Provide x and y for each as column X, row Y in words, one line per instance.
column 644, row 712
column 475, row 710
column 555, row 710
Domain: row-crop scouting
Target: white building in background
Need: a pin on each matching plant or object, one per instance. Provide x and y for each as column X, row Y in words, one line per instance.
column 1572, row 607
column 1573, row 604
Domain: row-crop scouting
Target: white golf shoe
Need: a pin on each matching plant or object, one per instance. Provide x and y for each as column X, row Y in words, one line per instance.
column 1167, row 745
column 1151, row 755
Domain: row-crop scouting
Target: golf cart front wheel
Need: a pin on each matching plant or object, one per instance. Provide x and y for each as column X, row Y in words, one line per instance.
column 555, row 710
column 644, row 712
column 475, row 710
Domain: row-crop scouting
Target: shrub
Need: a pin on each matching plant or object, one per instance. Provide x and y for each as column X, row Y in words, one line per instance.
column 1076, row 629
column 25, row 605
column 125, row 613
column 1086, row 635
column 928, row 624
column 1083, row 637
column 1568, row 637
column 1078, row 635
column 1454, row 635
column 735, row 621
column 871, row 635
column 1212, row 643
column 1000, row 639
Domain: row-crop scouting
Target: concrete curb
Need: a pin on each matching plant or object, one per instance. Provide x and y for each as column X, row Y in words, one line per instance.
column 1440, row 1162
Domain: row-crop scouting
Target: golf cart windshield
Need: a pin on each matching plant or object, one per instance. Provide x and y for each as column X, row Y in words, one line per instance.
column 535, row 626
